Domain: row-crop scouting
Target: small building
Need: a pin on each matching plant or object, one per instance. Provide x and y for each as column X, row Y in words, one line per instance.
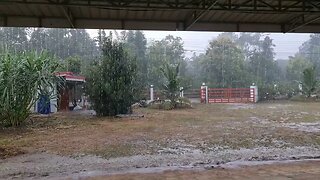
column 68, row 96
column 71, row 94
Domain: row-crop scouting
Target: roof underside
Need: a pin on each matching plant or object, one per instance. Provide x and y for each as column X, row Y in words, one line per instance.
column 192, row 15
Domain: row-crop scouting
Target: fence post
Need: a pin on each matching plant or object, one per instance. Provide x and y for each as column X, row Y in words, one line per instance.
column 254, row 93
column 181, row 91
column 204, row 93
column 151, row 93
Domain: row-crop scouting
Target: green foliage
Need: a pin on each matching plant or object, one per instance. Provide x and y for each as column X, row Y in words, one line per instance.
column 296, row 66
column 22, row 78
column 72, row 64
column 13, row 39
column 309, row 81
column 111, row 80
column 224, row 63
column 274, row 91
column 170, row 49
column 171, row 87
column 161, row 104
column 263, row 65
column 311, row 51
column 135, row 44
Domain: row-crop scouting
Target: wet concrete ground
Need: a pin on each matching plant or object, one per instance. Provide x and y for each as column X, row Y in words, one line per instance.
column 303, row 170
column 50, row 166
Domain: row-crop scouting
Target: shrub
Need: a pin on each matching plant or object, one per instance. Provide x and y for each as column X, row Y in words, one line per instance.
column 183, row 103
column 111, row 80
column 22, row 78
column 171, row 87
column 309, row 81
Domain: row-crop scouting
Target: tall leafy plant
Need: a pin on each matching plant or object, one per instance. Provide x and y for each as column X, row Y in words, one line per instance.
column 309, row 81
column 23, row 77
column 111, row 80
column 171, row 87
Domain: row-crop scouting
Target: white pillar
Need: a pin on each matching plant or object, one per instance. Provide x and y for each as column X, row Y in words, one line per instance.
column 151, row 93
column 254, row 92
column 300, row 89
column 207, row 96
column 181, row 91
column 204, row 93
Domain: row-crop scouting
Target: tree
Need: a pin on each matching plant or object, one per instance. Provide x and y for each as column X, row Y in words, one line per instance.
column 196, row 70
column 170, row 49
column 64, row 43
column 72, row 64
column 263, row 65
column 224, row 63
column 110, row 82
column 296, row 66
column 22, row 78
column 311, row 50
column 249, row 43
column 171, row 87
column 135, row 43
column 13, row 39
column 309, row 81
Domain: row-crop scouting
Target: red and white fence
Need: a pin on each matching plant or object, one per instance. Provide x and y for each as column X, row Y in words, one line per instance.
column 228, row 95
column 217, row 95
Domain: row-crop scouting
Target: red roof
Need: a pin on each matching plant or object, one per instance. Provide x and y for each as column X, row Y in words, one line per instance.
column 69, row 76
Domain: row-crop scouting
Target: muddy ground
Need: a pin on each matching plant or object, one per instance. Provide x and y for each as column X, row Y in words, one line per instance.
column 80, row 145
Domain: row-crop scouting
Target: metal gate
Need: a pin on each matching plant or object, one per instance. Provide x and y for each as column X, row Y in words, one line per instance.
column 227, row 95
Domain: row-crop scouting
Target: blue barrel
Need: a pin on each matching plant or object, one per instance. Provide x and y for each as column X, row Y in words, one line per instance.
column 44, row 105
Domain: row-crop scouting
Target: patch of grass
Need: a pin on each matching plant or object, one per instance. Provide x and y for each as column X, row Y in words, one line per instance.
column 209, row 125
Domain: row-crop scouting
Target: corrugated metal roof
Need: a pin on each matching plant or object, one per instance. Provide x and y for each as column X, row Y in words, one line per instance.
column 227, row 15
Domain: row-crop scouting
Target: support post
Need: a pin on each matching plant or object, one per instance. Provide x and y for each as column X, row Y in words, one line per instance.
column 151, row 93
column 54, row 101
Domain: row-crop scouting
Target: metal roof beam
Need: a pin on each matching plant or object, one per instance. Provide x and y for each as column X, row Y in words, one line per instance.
column 299, row 26
column 67, row 12
column 196, row 17
column 268, row 5
column 254, row 6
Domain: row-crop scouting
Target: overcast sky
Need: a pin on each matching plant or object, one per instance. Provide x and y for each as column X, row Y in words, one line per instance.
column 286, row 44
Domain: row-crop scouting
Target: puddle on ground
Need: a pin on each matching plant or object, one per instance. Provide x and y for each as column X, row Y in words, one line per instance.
column 241, row 163
column 306, row 127
column 257, row 120
column 313, row 127
column 276, row 106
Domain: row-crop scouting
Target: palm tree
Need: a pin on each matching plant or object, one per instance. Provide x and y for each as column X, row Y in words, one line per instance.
column 171, row 88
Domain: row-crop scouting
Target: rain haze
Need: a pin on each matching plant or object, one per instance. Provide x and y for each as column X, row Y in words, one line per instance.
column 196, row 42
column 160, row 89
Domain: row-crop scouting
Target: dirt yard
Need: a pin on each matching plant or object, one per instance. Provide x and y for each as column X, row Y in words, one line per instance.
column 204, row 138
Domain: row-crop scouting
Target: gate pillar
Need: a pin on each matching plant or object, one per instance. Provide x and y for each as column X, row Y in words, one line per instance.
column 254, row 93
column 204, row 93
